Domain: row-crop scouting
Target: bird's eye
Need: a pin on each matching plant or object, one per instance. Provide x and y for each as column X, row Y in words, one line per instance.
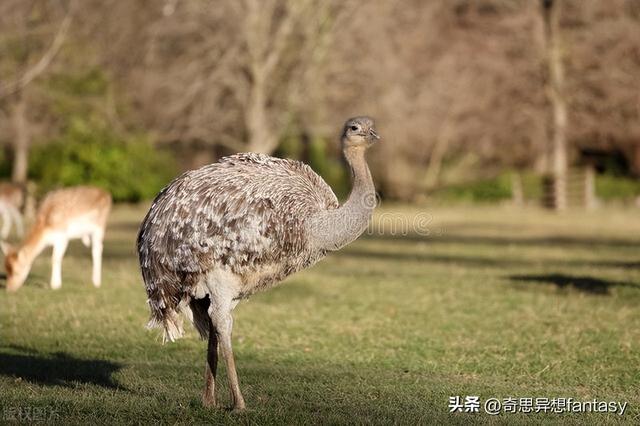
column 354, row 128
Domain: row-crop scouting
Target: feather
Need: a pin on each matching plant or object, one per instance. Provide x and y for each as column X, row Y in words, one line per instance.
column 245, row 214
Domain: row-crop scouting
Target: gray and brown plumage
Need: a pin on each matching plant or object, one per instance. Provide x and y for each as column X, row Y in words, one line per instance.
column 220, row 233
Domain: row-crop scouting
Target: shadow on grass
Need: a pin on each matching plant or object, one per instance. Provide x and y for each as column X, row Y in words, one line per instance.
column 57, row 369
column 564, row 241
column 585, row 284
column 618, row 264
column 494, row 260
column 472, row 261
column 335, row 394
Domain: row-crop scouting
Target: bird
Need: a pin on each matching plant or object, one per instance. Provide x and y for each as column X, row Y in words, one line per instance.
column 220, row 233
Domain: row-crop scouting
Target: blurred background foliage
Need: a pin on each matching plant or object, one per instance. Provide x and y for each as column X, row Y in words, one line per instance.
column 86, row 148
column 89, row 152
column 125, row 95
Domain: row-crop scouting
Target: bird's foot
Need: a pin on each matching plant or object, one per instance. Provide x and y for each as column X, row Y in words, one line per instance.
column 209, row 401
column 238, row 406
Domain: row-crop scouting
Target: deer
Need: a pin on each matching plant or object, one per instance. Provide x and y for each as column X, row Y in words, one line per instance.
column 64, row 214
column 13, row 197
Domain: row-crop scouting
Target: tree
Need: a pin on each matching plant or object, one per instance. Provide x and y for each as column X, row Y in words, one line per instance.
column 459, row 84
column 555, row 91
column 29, row 56
column 602, row 75
column 226, row 75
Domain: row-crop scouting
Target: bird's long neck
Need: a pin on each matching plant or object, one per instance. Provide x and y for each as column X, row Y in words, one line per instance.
column 333, row 229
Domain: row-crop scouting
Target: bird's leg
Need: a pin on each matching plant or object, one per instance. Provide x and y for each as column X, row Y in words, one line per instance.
column 225, row 325
column 208, row 397
column 223, row 287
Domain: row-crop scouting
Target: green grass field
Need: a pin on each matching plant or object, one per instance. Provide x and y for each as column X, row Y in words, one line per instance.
column 493, row 302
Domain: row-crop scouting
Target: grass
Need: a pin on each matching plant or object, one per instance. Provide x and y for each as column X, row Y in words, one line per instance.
column 494, row 302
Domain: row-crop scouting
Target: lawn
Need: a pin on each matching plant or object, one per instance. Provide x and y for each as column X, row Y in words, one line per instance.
column 430, row 304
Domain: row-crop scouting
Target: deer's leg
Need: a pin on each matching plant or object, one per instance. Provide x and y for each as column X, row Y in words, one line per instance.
column 6, row 222
column 209, row 396
column 59, row 247
column 17, row 219
column 96, row 255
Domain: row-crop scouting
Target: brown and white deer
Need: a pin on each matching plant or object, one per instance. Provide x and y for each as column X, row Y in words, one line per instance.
column 77, row 212
column 13, row 198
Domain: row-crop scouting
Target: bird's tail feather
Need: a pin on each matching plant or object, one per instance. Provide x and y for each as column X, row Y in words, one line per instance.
column 170, row 322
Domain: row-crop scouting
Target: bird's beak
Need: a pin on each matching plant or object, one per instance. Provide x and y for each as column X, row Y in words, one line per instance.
column 373, row 135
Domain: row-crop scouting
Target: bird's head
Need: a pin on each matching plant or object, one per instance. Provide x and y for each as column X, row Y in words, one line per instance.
column 359, row 132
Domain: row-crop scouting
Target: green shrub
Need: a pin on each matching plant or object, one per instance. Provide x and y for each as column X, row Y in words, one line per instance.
column 290, row 146
column 484, row 190
column 88, row 152
column 610, row 187
column 316, row 156
column 532, row 186
column 330, row 168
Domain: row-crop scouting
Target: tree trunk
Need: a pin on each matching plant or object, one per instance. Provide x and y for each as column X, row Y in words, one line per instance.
column 590, row 200
column 432, row 178
column 551, row 15
column 517, row 191
column 261, row 137
column 20, row 139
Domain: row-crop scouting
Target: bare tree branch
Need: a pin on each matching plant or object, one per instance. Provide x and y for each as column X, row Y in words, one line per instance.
column 45, row 60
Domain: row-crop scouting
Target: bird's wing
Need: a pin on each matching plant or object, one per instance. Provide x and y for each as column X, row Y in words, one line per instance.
column 244, row 211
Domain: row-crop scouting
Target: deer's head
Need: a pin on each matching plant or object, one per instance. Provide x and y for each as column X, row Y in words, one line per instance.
column 16, row 266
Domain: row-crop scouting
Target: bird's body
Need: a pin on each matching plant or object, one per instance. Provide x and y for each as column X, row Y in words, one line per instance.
column 220, row 233
column 243, row 215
